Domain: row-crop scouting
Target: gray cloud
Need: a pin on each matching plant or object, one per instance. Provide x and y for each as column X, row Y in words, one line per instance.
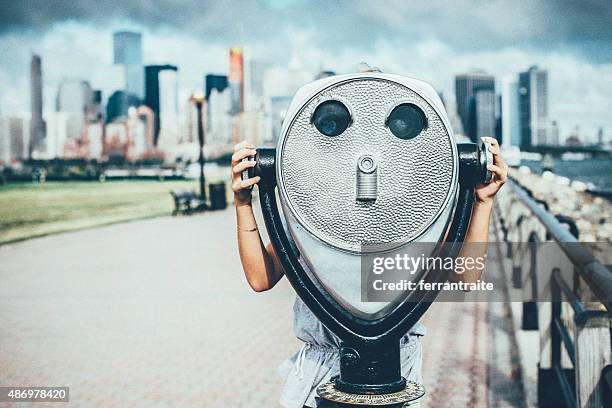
column 579, row 27
column 431, row 41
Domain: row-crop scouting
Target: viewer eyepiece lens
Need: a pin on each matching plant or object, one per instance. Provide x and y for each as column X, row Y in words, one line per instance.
column 406, row 121
column 331, row 118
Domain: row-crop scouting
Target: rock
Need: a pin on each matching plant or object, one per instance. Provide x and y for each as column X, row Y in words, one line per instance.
column 579, row 185
column 570, row 198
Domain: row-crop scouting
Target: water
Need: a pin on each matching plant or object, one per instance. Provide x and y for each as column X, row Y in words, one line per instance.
column 597, row 170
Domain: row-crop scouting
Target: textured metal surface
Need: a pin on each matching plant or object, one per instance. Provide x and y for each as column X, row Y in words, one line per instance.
column 318, row 173
column 412, row 392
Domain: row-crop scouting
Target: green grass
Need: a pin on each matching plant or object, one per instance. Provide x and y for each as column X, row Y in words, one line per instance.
column 30, row 210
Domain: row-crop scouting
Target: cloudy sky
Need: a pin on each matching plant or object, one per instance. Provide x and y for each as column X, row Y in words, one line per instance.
column 431, row 40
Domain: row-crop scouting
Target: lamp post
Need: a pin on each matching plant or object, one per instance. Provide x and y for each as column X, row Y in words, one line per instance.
column 198, row 99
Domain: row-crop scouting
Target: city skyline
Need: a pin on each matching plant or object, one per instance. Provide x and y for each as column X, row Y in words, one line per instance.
column 241, row 106
column 81, row 48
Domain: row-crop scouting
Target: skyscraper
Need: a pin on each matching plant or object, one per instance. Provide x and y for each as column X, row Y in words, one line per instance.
column 154, row 93
column 218, row 106
column 553, row 138
column 498, row 120
column 511, row 121
column 236, row 79
column 127, row 51
column 57, row 134
column 254, row 73
column 466, row 86
column 168, row 109
column 212, row 81
column 533, row 104
column 484, row 113
column 218, row 121
column 12, row 139
column 5, row 144
column 75, row 98
column 37, row 126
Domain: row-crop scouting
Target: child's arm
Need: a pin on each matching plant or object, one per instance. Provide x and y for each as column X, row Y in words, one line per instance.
column 477, row 236
column 260, row 264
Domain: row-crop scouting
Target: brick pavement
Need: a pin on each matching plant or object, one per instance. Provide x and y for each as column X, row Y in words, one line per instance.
column 157, row 313
column 470, row 354
column 138, row 314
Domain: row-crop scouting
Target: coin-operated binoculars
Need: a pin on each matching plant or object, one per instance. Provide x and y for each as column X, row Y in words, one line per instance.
column 366, row 158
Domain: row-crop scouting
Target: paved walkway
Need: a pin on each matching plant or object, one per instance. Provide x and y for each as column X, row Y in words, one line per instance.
column 470, row 354
column 157, row 313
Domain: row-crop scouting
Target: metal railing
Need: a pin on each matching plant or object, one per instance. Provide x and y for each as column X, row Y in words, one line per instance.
column 575, row 346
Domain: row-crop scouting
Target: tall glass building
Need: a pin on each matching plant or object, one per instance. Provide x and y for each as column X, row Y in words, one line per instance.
column 533, row 103
column 162, row 97
column 37, row 126
column 466, row 87
column 484, row 113
column 511, row 124
column 75, row 98
column 127, row 51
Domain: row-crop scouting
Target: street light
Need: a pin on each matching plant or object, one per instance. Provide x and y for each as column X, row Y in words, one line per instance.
column 198, row 99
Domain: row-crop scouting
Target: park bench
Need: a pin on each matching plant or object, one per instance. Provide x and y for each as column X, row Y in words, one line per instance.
column 186, row 202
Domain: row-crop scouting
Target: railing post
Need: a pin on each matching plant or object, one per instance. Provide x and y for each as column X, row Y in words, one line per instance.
column 606, row 385
column 553, row 391
column 530, row 285
column 555, row 315
column 593, row 349
column 517, row 269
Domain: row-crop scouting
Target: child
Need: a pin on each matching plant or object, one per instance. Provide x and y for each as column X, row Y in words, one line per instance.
column 318, row 359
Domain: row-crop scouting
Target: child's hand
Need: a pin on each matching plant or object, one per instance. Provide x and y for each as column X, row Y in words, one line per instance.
column 242, row 192
column 486, row 192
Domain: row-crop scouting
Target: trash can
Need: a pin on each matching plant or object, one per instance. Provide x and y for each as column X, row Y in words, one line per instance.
column 218, row 199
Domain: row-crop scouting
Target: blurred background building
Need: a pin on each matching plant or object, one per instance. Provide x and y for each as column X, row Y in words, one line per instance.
column 161, row 95
column 474, row 118
column 76, row 98
column 510, row 116
column 37, row 125
column 533, row 98
column 13, row 139
column 236, row 79
column 127, row 52
column 218, row 108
